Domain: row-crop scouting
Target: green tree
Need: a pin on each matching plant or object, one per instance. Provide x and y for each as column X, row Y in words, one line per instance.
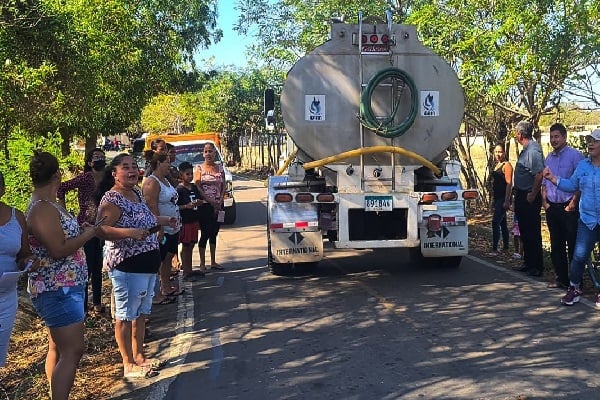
column 515, row 59
column 108, row 57
column 174, row 113
column 288, row 29
column 232, row 103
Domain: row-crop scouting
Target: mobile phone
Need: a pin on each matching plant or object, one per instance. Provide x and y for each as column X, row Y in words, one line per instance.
column 100, row 221
column 28, row 266
column 154, row 229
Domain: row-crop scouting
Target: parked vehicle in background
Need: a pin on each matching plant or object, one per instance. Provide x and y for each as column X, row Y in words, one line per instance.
column 137, row 152
column 189, row 147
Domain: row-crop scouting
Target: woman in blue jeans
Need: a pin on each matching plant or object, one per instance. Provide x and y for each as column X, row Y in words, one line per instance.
column 586, row 178
column 57, row 287
column 501, row 189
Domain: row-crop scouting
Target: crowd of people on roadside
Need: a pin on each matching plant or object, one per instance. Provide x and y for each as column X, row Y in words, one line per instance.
column 135, row 232
column 132, row 232
column 564, row 184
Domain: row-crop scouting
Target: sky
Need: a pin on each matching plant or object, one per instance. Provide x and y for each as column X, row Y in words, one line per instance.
column 231, row 48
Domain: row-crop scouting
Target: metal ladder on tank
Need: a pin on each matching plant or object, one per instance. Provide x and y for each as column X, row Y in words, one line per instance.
column 363, row 84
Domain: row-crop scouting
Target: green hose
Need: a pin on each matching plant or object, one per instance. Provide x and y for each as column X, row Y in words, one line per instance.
column 384, row 127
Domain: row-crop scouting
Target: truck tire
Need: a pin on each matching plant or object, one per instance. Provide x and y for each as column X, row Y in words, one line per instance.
column 230, row 214
column 446, row 262
column 276, row 268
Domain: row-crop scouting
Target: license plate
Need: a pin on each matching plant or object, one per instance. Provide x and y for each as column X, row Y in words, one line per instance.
column 378, row 203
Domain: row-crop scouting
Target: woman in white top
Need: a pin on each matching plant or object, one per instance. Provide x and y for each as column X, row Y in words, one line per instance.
column 162, row 197
column 14, row 254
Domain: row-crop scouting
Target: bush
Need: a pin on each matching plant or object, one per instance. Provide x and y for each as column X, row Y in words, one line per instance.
column 14, row 164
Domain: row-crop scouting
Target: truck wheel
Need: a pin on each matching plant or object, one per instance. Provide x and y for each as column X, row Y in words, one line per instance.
column 445, row 262
column 276, row 268
column 451, row 262
column 230, row 214
column 280, row 269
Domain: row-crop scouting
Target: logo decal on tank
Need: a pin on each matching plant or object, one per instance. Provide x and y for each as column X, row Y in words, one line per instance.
column 314, row 107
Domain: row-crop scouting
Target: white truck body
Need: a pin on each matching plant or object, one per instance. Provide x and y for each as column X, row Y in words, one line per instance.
column 349, row 182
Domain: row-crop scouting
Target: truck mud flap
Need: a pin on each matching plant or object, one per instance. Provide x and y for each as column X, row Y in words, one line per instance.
column 296, row 247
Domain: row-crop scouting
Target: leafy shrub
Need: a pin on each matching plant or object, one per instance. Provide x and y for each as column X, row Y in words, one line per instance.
column 15, row 166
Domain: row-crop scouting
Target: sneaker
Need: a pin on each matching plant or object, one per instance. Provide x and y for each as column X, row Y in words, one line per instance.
column 516, row 256
column 598, row 300
column 571, row 297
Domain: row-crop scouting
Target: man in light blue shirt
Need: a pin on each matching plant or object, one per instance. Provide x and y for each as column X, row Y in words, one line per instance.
column 586, row 179
column 562, row 215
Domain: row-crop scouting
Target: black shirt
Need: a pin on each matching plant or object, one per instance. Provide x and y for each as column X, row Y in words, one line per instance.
column 185, row 197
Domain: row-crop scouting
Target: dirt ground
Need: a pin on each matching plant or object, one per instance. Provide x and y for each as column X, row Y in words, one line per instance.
column 100, row 368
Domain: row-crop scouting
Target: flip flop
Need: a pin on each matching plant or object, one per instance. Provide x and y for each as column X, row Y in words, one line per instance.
column 138, row 372
column 174, row 293
column 217, row 266
column 165, row 301
column 154, row 364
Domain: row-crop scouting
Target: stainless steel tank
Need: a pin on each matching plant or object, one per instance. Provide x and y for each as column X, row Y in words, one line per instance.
column 320, row 99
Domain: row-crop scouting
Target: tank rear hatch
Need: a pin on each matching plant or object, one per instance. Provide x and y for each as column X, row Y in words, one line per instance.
column 320, row 100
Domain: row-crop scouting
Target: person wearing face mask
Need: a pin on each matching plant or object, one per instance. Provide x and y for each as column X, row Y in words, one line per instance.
column 86, row 184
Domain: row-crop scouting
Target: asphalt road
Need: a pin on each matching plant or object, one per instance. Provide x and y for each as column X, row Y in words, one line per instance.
column 366, row 325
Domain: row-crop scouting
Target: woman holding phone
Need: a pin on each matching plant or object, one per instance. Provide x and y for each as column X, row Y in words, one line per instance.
column 57, row 287
column 132, row 258
column 209, row 177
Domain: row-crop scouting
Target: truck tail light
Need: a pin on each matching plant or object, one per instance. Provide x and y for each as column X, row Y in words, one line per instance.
column 283, row 198
column 447, row 196
column 305, row 198
column 470, row 194
column 325, row 198
column 429, row 197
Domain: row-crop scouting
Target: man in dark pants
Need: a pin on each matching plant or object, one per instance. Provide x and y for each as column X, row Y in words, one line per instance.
column 562, row 213
column 528, row 198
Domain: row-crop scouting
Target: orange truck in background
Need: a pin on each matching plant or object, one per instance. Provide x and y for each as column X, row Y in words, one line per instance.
column 214, row 137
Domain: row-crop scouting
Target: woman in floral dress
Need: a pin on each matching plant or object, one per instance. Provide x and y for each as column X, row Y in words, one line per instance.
column 57, row 287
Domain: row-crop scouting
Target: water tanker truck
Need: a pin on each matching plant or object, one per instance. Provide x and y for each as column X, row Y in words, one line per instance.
column 372, row 113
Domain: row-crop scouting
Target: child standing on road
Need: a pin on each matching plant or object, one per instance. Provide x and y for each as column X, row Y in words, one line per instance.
column 518, row 245
column 189, row 198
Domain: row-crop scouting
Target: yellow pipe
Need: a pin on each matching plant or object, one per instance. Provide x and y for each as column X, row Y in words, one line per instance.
column 287, row 162
column 370, row 150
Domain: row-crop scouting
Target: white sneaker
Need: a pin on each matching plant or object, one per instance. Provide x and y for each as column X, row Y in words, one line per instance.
column 516, row 256
column 598, row 300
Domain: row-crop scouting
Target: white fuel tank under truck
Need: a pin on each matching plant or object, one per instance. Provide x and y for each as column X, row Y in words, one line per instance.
column 372, row 113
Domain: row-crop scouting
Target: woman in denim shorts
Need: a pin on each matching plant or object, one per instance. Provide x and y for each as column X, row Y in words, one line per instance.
column 132, row 258
column 57, row 286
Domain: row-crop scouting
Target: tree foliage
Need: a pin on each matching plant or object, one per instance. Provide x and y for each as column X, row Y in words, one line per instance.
column 99, row 61
column 288, row 29
column 232, row 102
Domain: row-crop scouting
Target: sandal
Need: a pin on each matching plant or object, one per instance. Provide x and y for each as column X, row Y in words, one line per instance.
column 174, row 293
column 165, row 301
column 217, row 266
column 138, row 372
column 154, row 364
